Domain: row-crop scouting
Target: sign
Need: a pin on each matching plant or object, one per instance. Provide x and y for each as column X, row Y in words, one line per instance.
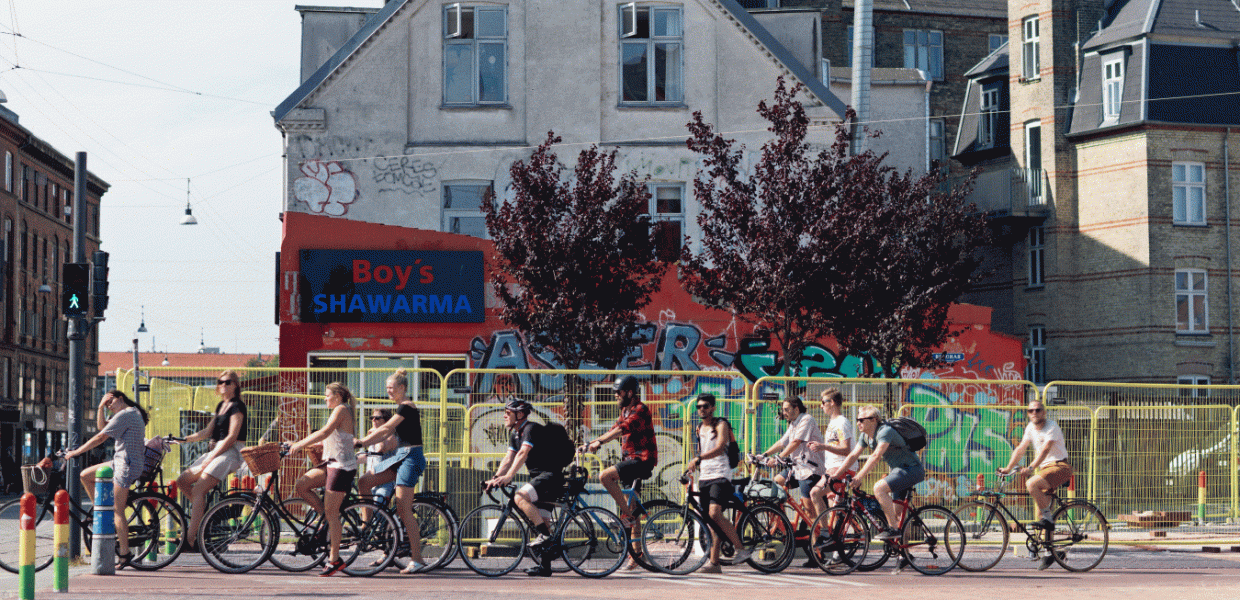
column 391, row 286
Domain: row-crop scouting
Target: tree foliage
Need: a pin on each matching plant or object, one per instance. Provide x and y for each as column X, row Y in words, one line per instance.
column 575, row 254
column 812, row 244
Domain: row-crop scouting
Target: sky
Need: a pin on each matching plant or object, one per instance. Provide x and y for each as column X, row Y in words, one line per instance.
column 157, row 92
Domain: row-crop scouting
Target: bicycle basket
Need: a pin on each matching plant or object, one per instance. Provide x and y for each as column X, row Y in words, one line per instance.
column 156, row 448
column 35, row 480
column 262, row 459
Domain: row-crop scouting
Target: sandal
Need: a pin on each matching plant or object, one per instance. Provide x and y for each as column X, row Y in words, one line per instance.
column 122, row 560
column 628, row 521
column 413, row 567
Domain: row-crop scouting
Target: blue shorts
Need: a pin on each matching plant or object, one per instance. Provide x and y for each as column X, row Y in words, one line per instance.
column 901, row 480
column 410, row 469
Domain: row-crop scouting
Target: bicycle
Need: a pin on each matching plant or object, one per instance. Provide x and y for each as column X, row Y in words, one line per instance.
column 1078, row 541
column 156, row 523
column 931, row 538
column 677, row 540
column 765, row 490
column 493, row 538
column 240, row 532
column 437, row 525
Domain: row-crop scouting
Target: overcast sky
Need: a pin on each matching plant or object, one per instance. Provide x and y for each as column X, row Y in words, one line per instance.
column 157, row 91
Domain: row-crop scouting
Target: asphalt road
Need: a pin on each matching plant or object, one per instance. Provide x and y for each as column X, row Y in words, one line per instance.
column 1126, row 574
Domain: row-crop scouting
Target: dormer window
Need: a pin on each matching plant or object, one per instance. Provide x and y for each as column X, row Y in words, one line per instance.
column 1112, row 89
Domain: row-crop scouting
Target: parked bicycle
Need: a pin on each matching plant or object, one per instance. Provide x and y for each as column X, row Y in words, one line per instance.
column 678, row 540
column 156, row 521
column 493, row 538
column 1078, row 541
column 931, row 540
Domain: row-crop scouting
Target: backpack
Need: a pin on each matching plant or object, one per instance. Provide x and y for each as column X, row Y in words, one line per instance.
column 913, row 433
column 562, row 451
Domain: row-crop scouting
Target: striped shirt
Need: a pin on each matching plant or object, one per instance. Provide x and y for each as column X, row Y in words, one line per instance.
column 126, row 427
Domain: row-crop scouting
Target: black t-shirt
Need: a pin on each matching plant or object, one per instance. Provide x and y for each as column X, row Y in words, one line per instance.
column 537, row 461
column 220, row 429
column 409, row 430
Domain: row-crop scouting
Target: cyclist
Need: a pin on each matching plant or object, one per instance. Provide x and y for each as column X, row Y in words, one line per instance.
column 888, row 445
column 526, row 447
column 839, row 440
column 126, row 426
column 337, row 472
column 227, row 432
column 1050, row 460
column 715, row 479
column 381, row 450
column 638, row 445
column 797, row 444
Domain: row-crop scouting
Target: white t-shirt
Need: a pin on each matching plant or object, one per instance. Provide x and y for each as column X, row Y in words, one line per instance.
column 840, row 429
column 805, row 462
column 1049, row 434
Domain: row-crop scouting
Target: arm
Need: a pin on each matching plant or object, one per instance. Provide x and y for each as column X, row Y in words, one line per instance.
column 869, row 465
column 234, row 432
column 723, row 433
column 388, row 444
column 849, row 460
column 378, row 433
column 611, row 434
column 1037, row 460
column 504, row 477
column 1016, row 454
column 333, row 422
column 90, row 444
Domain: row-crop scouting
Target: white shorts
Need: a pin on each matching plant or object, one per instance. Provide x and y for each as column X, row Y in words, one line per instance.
column 227, row 462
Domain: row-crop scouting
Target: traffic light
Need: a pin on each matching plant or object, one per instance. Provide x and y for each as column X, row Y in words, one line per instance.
column 75, row 287
column 99, row 287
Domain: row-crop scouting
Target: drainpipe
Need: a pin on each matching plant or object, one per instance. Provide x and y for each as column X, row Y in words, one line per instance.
column 927, row 108
column 1231, row 334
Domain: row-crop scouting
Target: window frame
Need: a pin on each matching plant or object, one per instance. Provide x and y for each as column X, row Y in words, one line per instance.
column 936, row 133
column 1031, row 51
column 1036, row 244
column 994, row 41
column 447, row 213
column 1035, row 368
column 988, row 116
column 1182, row 189
column 1033, row 163
column 924, row 51
column 1194, row 380
column 673, row 217
column 1112, row 89
column 453, row 38
column 1187, row 296
column 628, row 37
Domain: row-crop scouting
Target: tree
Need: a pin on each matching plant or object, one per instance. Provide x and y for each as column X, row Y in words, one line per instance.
column 576, row 257
column 827, row 244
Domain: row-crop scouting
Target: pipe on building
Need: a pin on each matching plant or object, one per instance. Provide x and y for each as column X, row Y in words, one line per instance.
column 1231, row 333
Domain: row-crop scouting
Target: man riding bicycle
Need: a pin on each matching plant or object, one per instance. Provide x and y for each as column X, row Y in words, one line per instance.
column 529, row 447
column 638, row 445
column 888, row 445
column 1050, row 460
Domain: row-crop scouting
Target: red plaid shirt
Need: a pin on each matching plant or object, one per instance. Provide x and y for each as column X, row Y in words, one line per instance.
column 638, row 441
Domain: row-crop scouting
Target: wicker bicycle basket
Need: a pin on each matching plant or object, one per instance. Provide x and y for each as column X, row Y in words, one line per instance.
column 262, row 459
column 35, row 480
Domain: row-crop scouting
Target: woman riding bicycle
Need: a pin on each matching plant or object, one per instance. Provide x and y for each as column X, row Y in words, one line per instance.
column 227, row 432
column 126, row 426
column 337, row 471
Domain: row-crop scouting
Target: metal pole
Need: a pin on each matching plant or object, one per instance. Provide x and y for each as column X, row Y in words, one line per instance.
column 77, row 355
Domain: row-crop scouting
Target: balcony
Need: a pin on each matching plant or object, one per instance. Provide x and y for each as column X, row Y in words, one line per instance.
column 1012, row 193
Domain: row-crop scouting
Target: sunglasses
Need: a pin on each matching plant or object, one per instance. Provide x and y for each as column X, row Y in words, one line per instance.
column 378, row 418
column 864, row 419
column 224, row 382
column 1035, row 410
column 701, row 406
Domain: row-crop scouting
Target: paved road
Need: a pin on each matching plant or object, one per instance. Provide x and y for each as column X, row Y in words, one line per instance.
column 1126, row 574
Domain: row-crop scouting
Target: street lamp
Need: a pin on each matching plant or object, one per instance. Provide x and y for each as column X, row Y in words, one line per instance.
column 188, row 219
column 142, row 325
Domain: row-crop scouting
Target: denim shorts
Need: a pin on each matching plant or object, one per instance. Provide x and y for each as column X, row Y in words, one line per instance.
column 901, row 480
column 411, row 468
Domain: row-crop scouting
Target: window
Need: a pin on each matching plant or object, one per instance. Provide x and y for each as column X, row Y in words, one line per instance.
column 667, row 213
column 1191, row 301
column 938, row 143
column 995, row 42
column 8, row 171
column 1188, row 193
column 1037, row 256
column 1033, row 162
column 1112, row 89
column 988, row 122
column 475, row 55
column 825, row 69
column 1193, row 380
column 1035, row 371
column 651, row 55
column 924, row 50
column 1031, row 64
column 462, row 208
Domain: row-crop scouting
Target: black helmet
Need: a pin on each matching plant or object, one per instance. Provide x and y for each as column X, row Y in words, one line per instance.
column 518, row 405
column 628, row 382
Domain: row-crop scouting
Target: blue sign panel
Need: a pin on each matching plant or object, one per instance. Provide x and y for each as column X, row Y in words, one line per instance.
column 391, row 286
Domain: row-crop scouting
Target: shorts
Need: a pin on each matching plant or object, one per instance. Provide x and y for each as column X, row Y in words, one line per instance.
column 411, row 468
column 545, row 486
column 805, row 485
column 1056, row 474
column 719, row 491
column 124, row 474
column 631, row 470
column 227, row 462
column 902, row 480
column 339, row 480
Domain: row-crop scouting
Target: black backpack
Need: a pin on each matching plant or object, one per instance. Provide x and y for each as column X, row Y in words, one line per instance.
column 561, row 446
column 913, row 433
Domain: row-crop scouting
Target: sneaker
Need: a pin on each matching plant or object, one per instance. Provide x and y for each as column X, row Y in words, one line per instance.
column 539, row 571
column 741, row 556
column 541, row 540
column 1046, row 563
column 1044, row 523
column 710, row 568
column 332, row 568
column 413, row 567
column 888, row 534
column 809, row 564
column 900, row 566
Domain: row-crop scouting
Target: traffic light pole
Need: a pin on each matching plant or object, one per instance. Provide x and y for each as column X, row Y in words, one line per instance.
column 78, row 328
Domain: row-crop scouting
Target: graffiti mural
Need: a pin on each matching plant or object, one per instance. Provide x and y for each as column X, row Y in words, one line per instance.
column 960, row 442
column 327, row 188
column 404, row 174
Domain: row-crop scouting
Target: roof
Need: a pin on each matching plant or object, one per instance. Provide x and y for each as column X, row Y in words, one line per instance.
column 109, row 362
column 1197, row 19
column 381, row 19
column 996, row 63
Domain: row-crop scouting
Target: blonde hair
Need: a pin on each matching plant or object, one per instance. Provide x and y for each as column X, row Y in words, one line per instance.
column 400, row 378
column 344, row 394
column 870, row 411
column 236, row 383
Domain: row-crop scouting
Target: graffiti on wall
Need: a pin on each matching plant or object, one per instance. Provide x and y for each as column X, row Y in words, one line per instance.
column 406, row 174
column 326, row 187
column 961, row 442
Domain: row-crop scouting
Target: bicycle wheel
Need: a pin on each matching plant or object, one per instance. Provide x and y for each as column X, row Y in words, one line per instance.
column 839, row 541
column 878, row 551
column 237, row 535
column 492, row 540
column 635, row 547
column 672, row 541
column 437, row 530
column 593, row 542
column 44, row 529
column 932, row 540
column 156, row 530
column 291, row 553
column 986, row 533
column 767, row 533
column 368, row 540
column 1081, row 536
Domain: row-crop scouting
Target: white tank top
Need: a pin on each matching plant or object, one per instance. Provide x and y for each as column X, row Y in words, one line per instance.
column 717, row 467
column 338, row 450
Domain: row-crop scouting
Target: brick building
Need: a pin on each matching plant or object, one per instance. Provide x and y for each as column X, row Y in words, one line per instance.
column 36, row 189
